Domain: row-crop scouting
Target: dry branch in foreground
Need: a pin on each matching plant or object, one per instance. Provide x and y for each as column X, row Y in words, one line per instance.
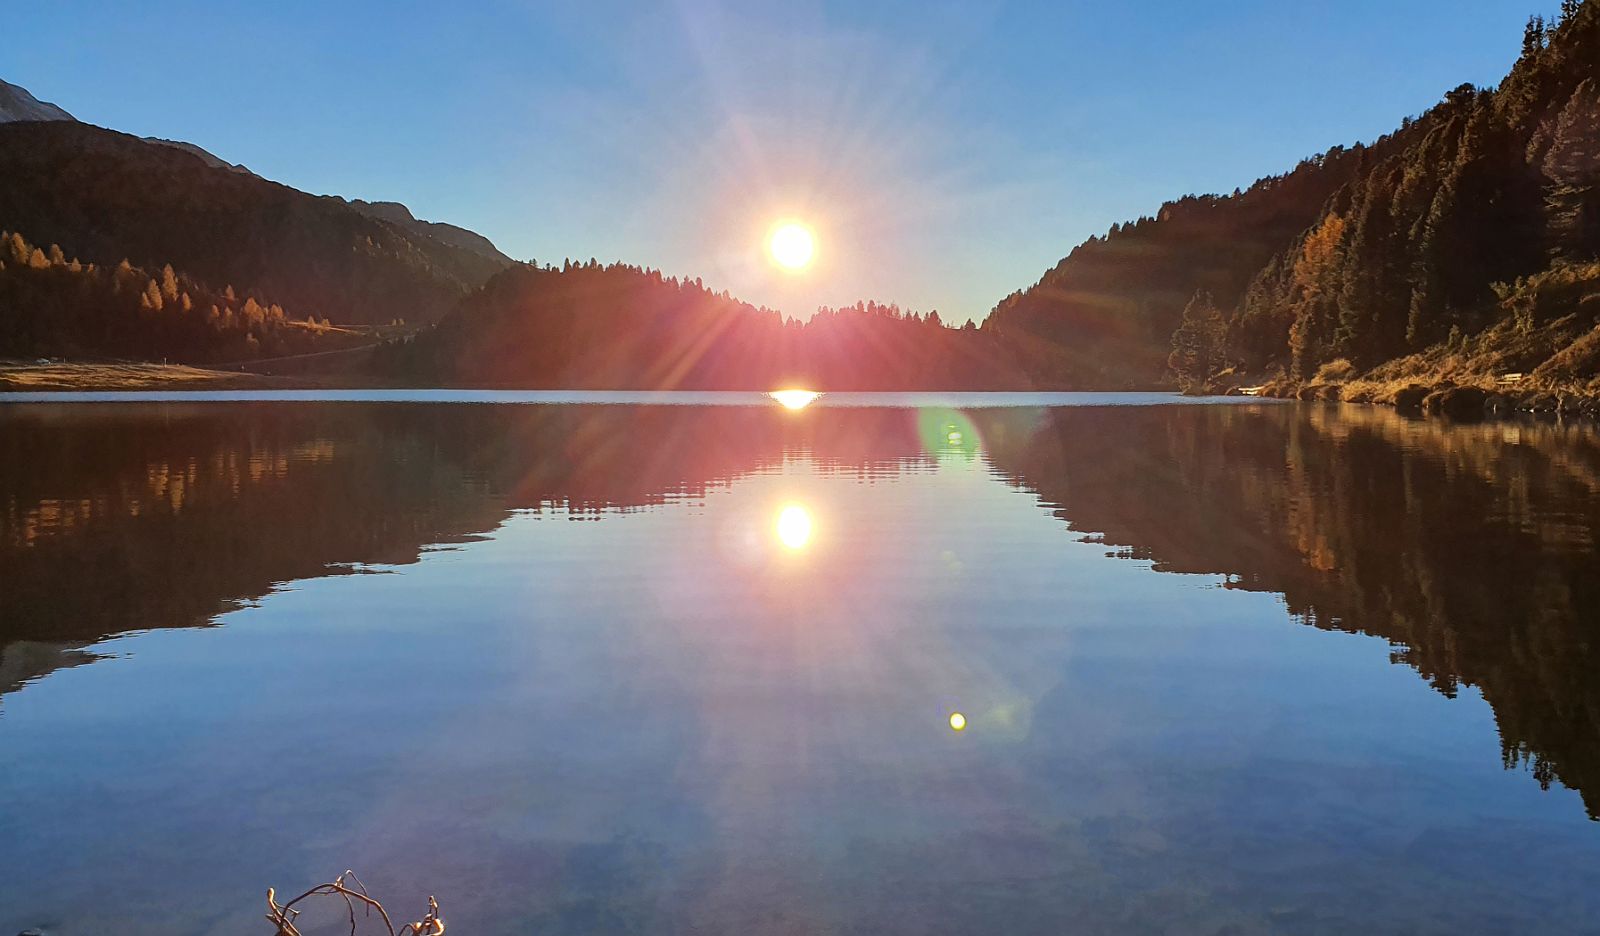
column 284, row 915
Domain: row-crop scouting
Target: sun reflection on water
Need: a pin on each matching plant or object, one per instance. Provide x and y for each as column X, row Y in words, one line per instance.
column 795, row 399
column 794, row 526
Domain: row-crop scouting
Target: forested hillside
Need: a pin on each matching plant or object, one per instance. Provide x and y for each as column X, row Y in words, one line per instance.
column 105, row 197
column 1466, row 237
column 1450, row 236
column 619, row 326
column 1109, row 308
column 55, row 305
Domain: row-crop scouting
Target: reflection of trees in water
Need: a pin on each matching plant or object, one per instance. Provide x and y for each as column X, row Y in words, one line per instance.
column 1470, row 548
column 114, row 519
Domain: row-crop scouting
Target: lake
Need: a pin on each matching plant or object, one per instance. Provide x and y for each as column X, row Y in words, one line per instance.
column 600, row 664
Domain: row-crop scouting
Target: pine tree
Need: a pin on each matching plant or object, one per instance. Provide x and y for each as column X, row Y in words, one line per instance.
column 1197, row 345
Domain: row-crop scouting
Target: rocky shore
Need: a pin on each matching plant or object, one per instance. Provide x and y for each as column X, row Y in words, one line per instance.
column 1446, row 398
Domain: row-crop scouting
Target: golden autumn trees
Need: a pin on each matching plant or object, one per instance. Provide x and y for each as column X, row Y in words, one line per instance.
column 55, row 306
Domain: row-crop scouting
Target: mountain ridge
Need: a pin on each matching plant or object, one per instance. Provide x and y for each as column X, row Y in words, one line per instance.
column 450, row 234
column 18, row 105
column 105, row 196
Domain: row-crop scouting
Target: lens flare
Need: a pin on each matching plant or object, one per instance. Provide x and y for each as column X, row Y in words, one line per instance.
column 947, row 431
column 794, row 399
column 958, row 721
column 794, row 526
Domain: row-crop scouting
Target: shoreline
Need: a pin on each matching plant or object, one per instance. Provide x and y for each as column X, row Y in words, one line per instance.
column 1488, row 398
column 62, row 376
column 1482, row 398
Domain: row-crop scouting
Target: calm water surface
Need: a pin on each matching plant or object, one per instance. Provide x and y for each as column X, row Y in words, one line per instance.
column 580, row 668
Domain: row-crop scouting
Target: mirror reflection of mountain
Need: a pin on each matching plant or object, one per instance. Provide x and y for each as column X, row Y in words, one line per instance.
column 1470, row 547
column 123, row 518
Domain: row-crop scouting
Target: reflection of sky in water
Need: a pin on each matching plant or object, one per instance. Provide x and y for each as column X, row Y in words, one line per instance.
column 733, row 713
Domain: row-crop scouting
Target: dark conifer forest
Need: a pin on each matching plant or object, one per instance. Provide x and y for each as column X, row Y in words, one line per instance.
column 617, row 326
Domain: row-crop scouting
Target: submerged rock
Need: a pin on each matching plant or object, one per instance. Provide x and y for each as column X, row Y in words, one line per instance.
column 1540, row 403
column 1456, row 401
column 1410, row 398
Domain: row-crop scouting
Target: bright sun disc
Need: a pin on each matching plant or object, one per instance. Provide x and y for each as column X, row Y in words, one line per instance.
column 791, row 245
column 958, row 721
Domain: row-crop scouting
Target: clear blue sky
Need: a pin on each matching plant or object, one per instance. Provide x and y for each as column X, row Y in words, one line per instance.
column 946, row 153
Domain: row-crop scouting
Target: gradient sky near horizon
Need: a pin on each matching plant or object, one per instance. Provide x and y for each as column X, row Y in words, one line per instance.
column 946, row 153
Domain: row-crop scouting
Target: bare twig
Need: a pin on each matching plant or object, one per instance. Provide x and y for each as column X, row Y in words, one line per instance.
column 283, row 916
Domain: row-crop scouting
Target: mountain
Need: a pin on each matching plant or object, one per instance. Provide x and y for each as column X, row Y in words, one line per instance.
column 17, row 104
column 1477, row 223
column 104, row 196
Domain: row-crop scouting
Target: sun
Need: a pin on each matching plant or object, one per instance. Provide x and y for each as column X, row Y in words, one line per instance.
column 792, row 245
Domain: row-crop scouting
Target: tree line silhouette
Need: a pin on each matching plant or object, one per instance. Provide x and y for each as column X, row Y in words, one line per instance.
column 590, row 325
